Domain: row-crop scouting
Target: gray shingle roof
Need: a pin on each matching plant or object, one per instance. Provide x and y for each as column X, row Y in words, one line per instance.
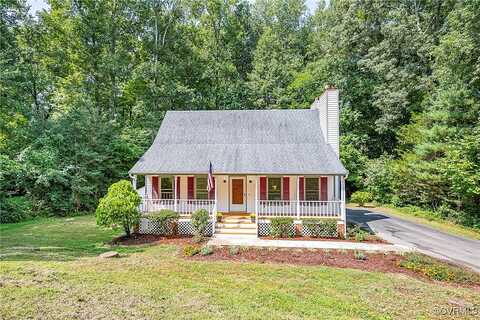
column 240, row 142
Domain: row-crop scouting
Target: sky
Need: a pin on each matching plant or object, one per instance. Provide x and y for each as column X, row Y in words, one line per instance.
column 36, row 5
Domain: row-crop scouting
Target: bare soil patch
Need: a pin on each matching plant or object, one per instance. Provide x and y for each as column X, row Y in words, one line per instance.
column 138, row 239
column 370, row 239
column 335, row 258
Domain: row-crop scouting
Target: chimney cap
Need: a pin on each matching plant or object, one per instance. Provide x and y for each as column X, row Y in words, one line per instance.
column 330, row 87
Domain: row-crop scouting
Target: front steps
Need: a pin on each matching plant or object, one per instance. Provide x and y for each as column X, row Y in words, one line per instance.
column 236, row 225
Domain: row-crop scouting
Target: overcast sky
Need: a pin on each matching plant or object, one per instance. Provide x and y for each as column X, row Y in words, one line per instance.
column 36, row 5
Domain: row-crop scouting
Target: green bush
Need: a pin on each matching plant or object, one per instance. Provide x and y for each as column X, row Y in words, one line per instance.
column 15, row 209
column 119, row 207
column 359, row 255
column 190, row 251
column 206, row 250
column 320, row 227
column 167, row 219
column 361, row 197
column 436, row 270
column 282, row 228
column 234, row 250
column 200, row 221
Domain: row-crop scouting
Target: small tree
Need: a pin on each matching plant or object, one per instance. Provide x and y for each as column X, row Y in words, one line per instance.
column 119, row 207
column 200, row 220
column 361, row 197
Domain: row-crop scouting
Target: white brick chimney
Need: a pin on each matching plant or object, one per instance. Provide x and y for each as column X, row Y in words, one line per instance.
column 328, row 109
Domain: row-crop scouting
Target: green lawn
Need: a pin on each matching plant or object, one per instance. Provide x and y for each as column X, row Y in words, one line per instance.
column 49, row 269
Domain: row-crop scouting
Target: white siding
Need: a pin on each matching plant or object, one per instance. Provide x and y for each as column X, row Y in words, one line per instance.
column 251, row 193
column 222, row 193
column 327, row 106
column 183, row 187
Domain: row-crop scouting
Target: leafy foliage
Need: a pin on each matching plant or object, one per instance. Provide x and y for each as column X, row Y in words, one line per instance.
column 282, row 228
column 321, row 227
column 438, row 271
column 119, row 207
column 167, row 219
column 85, row 85
column 200, row 221
column 191, row 250
column 361, row 197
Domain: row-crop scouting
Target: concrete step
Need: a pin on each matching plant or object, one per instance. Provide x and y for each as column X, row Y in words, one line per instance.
column 226, row 236
column 235, row 231
column 237, row 220
column 236, row 225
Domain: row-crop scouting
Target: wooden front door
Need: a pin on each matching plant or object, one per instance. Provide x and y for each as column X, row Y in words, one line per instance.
column 237, row 194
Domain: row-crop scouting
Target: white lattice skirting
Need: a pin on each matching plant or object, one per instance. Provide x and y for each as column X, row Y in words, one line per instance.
column 264, row 229
column 184, row 227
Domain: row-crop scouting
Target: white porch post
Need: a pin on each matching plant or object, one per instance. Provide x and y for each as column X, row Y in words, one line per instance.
column 175, row 208
column 215, row 206
column 298, row 197
column 256, row 204
column 134, row 181
column 344, row 213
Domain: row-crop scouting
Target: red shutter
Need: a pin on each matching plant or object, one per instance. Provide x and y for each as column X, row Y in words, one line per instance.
column 323, row 189
column 263, row 188
column 177, row 188
column 211, row 194
column 301, row 188
column 191, row 187
column 286, row 188
column 155, row 188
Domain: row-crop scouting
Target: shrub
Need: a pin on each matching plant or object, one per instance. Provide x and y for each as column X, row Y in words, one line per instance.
column 200, row 220
column 361, row 197
column 436, row 270
column 359, row 255
column 282, row 228
column 320, row 227
column 167, row 219
column 15, row 209
column 206, row 250
column 119, row 207
column 190, row 251
column 233, row 251
column 361, row 236
column 355, row 231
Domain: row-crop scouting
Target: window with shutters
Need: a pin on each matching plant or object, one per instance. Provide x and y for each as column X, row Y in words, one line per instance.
column 311, row 189
column 201, row 188
column 166, row 188
column 274, row 189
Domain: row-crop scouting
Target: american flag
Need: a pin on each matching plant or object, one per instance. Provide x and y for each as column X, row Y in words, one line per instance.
column 210, row 183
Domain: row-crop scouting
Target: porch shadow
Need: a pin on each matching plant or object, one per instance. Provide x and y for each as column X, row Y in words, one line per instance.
column 363, row 216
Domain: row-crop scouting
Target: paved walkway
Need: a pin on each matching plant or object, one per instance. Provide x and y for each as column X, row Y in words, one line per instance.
column 311, row 244
column 423, row 238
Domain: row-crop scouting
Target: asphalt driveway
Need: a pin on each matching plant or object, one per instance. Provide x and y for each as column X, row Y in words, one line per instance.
column 423, row 238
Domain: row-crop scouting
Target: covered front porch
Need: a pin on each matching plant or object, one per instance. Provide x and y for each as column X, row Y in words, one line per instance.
column 266, row 196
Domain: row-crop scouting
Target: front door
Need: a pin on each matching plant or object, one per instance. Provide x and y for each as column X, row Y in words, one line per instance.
column 237, row 194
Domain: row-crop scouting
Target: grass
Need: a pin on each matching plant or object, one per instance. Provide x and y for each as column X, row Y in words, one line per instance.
column 65, row 280
column 424, row 217
column 434, row 270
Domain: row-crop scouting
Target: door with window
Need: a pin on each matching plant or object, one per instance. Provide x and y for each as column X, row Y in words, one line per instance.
column 238, row 201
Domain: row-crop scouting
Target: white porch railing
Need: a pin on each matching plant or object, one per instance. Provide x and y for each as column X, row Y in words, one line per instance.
column 181, row 206
column 299, row 209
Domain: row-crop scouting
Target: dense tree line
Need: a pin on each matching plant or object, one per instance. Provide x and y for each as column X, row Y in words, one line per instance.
column 85, row 84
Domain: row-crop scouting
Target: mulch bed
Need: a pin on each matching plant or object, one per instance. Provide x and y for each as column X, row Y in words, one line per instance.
column 137, row 239
column 368, row 240
column 378, row 262
column 332, row 258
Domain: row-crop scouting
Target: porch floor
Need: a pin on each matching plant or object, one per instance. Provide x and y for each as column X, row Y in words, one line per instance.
column 253, row 241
